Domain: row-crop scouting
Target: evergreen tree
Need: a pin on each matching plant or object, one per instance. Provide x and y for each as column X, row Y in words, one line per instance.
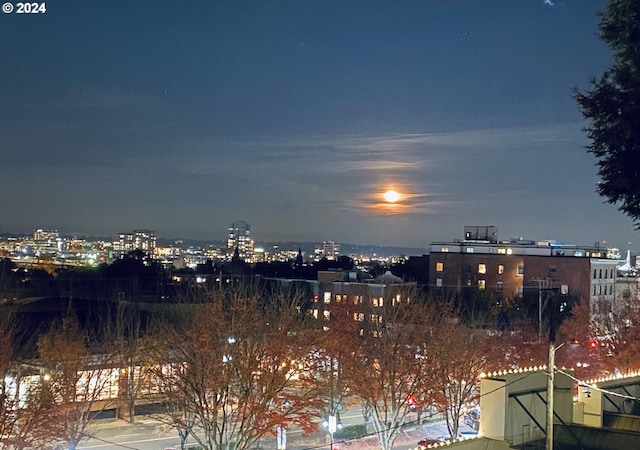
column 612, row 108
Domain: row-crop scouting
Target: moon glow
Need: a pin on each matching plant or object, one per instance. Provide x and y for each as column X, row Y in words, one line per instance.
column 391, row 196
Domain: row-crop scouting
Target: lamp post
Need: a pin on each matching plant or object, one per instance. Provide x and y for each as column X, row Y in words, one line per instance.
column 333, row 424
column 281, row 437
column 333, row 427
column 227, row 359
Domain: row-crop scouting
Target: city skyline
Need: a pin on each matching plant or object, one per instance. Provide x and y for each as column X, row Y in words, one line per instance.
column 298, row 116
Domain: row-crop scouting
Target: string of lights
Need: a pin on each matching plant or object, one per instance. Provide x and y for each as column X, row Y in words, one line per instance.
column 590, row 385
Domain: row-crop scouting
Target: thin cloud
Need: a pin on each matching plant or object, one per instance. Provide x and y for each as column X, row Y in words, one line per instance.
column 88, row 96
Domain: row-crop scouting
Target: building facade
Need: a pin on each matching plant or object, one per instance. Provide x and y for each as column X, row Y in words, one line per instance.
column 507, row 269
column 144, row 240
column 239, row 237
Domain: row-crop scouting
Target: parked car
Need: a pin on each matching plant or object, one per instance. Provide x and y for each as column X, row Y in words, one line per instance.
column 423, row 443
column 472, row 419
column 468, row 434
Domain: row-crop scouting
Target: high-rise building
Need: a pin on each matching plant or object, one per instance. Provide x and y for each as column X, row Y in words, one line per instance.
column 46, row 241
column 239, row 237
column 41, row 235
column 144, row 240
column 330, row 250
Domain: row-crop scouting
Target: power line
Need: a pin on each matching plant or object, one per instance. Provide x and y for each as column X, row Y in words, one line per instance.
column 596, row 388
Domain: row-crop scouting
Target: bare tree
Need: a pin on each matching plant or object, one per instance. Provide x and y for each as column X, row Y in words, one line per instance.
column 22, row 406
column 79, row 383
column 518, row 345
column 136, row 353
column 8, row 395
column 336, row 337
column 238, row 372
column 459, row 359
column 392, row 366
column 615, row 345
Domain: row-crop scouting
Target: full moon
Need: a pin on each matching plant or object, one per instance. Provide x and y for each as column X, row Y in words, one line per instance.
column 391, row 196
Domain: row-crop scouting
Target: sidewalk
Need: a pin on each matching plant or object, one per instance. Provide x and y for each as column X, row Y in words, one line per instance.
column 141, row 421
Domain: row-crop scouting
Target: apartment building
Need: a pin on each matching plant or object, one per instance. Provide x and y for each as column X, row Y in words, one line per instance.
column 508, row 268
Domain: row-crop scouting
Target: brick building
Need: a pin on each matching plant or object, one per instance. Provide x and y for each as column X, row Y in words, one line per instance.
column 506, row 269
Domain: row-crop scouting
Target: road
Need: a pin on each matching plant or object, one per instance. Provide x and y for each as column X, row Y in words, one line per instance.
column 149, row 434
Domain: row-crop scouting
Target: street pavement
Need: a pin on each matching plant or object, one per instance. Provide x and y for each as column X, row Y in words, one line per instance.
column 149, row 433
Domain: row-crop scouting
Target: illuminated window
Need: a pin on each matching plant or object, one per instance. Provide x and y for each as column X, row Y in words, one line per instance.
column 519, row 291
column 482, row 284
column 338, row 298
column 482, row 268
column 499, row 286
column 438, row 282
column 469, row 249
column 327, row 315
column 357, row 299
column 500, row 269
column 377, row 301
column 577, row 253
column 502, row 251
column 439, row 266
column 376, row 318
column 521, row 270
column 444, row 249
column 315, row 313
column 327, row 297
column 358, row 317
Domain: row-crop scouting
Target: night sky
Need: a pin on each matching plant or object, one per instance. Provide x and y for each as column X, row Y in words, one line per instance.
column 296, row 116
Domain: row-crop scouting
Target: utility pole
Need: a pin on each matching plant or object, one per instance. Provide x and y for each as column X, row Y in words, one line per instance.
column 550, row 382
column 553, row 316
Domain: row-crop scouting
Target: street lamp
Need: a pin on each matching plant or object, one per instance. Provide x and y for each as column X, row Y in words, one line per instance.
column 333, row 424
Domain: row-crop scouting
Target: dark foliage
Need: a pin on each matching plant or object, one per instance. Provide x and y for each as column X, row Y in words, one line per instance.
column 612, row 108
